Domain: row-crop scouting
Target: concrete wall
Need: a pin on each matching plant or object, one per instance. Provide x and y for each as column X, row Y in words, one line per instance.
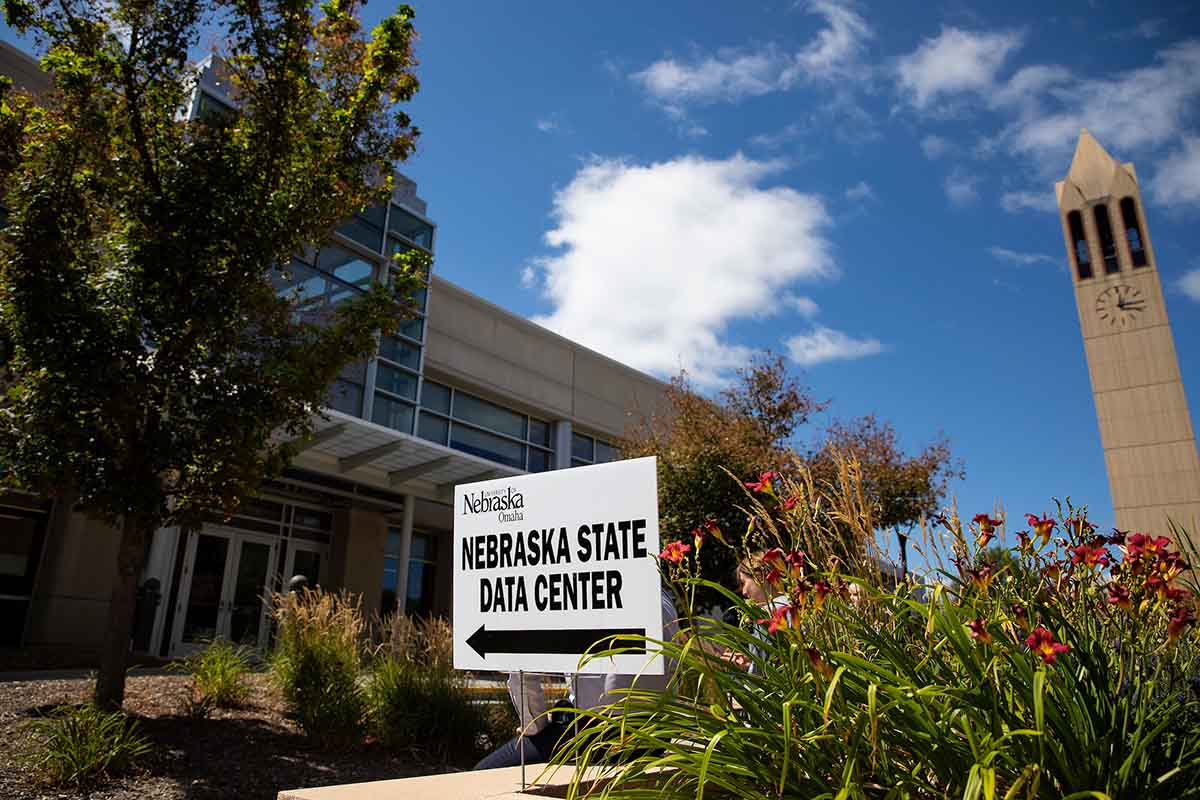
column 74, row 581
column 477, row 345
column 356, row 554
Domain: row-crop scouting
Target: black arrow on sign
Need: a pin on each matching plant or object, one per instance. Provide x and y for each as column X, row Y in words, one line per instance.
column 575, row 641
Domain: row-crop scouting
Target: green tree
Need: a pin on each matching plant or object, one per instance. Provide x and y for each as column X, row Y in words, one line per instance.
column 750, row 428
column 700, row 442
column 149, row 359
column 902, row 488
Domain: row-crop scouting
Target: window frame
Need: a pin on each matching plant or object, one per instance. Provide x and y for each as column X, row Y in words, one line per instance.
column 453, row 420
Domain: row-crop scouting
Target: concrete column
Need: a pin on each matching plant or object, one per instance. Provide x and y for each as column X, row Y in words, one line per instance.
column 562, row 444
column 406, row 528
column 356, row 554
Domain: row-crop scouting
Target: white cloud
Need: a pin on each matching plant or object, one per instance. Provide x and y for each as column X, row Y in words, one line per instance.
column 1189, row 284
column 547, row 124
column 954, row 61
column 653, row 262
column 727, row 77
column 836, row 51
column 860, row 191
column 734, row 74
column 1012, row 202
column 781, row 137
column 1025, row 259
column 1136, row 109
column 528, row 276
column 935, row 147
column 960, row 187
column 1178, row 176
column 826, row 344
column 804, row 306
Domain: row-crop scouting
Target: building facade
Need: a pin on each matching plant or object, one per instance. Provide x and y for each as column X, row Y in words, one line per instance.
column 1142, row 410
column 465, row 391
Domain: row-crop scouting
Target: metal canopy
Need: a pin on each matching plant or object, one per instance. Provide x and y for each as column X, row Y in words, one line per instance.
column 370, row 453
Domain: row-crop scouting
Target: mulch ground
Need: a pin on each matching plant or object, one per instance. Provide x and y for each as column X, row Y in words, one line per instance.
column 251, row 752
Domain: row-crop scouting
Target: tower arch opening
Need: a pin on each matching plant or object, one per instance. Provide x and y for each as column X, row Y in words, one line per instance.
column 1133, row 232
column 1079, row 246
column 1108, row 245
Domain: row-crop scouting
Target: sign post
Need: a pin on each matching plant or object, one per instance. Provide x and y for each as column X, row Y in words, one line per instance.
column 550, row 566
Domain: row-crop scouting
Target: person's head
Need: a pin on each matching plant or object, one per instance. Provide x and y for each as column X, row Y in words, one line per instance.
column 750, row 578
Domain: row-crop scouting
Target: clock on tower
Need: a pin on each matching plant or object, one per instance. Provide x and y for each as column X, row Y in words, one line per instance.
column 1145, row 428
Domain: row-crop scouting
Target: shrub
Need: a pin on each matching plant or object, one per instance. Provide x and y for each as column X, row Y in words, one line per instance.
column 315, row 665
column 218, row 676
column 80, row 745
column 1071, row 669
column 417, row 702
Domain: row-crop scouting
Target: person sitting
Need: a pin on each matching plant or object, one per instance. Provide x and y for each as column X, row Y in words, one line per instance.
column 541, row 731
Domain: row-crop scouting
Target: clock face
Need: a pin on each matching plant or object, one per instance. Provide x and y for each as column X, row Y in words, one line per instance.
column 1120, row 305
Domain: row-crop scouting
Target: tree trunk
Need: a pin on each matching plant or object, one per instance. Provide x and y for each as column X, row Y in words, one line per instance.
column 110, row 682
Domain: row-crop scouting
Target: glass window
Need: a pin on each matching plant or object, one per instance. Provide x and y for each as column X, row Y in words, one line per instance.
column 396, row 381
column 412, row 328
column 300, row 284
column 411, row 228
column 422, row 570
column 488, row 415
column 582, row 447
column 346, row 397
column 392, row 413
column 308, row 564
column 540, row 460
column 436, row 397
column 311, row 518
column 485, row 445
column 433, row 428
column 421, row 547
column 402, row 353
column 391, row 580
column 346, row 266
column 366, row 227
column 420, row 297
column 539, row 432
column 605, row 452
column 263, row 509
column 419, row 602
column 17, row 546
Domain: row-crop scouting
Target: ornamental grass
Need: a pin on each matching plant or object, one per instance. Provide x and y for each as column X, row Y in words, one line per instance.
column 1067, row 665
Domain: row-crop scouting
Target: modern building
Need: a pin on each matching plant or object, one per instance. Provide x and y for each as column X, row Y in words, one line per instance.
column 1146, row 431
column 465, row 391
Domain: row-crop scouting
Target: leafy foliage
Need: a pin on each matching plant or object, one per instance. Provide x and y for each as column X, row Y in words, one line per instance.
column 704, row 444
column 1081, row 680
column 417, row 702
column 148, row 357
column 80, row 745
column 316, row 663
column 218, row 675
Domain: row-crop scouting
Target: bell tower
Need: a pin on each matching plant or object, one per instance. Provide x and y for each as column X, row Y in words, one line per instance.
column 1145, row 428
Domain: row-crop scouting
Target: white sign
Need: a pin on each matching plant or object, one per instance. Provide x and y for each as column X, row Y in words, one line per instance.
column 547, row 565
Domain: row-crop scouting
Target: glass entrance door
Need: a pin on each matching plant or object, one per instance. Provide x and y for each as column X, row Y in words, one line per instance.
column 207, row 555
column 244, row 609
column 226, row 573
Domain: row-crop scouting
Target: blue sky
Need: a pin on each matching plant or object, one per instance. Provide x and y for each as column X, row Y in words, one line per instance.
column 867, row 189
